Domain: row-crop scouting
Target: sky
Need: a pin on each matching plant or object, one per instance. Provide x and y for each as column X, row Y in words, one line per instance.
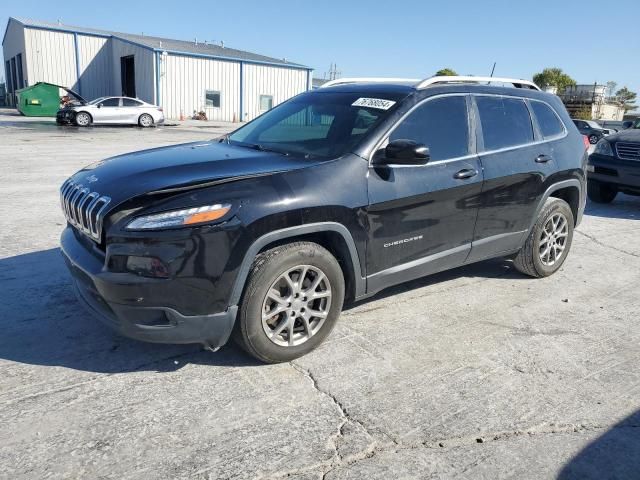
column 399, row 38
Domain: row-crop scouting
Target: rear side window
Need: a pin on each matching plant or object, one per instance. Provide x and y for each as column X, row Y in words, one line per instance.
column 441, row 124
column 549, row 123
column 505, row 122
column 130, row 102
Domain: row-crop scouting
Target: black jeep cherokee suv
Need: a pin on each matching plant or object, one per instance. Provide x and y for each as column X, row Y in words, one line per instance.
column 614, row 166
column 335, row 194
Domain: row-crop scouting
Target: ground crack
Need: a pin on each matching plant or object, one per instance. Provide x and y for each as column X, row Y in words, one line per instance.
column 372, row 447
column 602, row 244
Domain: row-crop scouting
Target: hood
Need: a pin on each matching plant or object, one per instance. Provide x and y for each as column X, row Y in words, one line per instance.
column 628, row 135
column 75, row 95
column 180, row 167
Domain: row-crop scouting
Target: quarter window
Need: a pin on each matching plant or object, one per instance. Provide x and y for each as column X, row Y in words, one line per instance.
column 212, row 98
column 266, row 102
column 441, row 124
column 505, row 122
column 549, row 123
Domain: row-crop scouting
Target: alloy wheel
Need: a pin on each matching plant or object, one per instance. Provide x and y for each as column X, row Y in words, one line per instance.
column 296, row 305
column 553, row 239
column 146, row 121
column 82, row 119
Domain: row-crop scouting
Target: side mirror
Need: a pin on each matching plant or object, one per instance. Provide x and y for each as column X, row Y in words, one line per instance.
column 405, row 152
column 99, row 105
column 627, row 124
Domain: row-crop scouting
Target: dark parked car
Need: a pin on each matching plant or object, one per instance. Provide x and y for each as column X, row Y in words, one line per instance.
column 614, row 166
column 333, row 195
column 591, row 130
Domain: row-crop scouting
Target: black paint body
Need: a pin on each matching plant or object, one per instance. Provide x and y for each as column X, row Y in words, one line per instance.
column 621, row 173
column 386, row 224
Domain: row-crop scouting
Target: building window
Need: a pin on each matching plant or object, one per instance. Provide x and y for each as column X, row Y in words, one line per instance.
column 14, row 75
column 20, row 76
column 212, row 98
column 266, row 102
column 8, row 76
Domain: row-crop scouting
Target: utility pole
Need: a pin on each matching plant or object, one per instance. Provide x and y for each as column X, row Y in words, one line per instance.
column 333, row 72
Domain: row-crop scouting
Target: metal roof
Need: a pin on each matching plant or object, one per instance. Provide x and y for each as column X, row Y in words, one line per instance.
column 183, row 47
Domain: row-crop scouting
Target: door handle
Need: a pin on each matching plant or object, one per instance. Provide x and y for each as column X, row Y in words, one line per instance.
column 465, row 173
column 543, row 158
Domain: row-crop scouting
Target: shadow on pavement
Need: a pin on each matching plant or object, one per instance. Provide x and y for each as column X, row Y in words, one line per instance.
column 615, row 454
column 624, row 207
column 42, row 322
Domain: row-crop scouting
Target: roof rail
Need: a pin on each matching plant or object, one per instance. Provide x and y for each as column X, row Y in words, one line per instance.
column 341, row 81
column 470, row 79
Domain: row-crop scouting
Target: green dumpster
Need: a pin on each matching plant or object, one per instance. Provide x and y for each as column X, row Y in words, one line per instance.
column 39, row 100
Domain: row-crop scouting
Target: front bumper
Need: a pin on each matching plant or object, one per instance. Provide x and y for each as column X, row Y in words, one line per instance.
column 96, row 289
column 624, row 174
column 65, row 116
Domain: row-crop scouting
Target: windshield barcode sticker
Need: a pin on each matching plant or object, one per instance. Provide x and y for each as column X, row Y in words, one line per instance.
column 379, row 103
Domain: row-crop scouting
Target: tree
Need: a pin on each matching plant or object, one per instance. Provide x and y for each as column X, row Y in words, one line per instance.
column 553, row 77
column 611, row 88
column 626, row 98
column 583, row 114
column 446, row 72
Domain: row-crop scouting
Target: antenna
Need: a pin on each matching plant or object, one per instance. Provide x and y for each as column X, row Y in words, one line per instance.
column 493, row 69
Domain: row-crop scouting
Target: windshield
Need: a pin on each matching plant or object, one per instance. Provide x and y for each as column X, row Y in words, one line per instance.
column 317, row 124
column 96, row 100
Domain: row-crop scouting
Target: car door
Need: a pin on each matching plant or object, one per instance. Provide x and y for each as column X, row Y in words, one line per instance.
column 108, row 111
column 516, row 163
column 130, row 110
column 421, row 218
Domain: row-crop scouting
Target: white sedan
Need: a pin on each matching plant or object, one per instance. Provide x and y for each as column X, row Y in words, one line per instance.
column 111, row 111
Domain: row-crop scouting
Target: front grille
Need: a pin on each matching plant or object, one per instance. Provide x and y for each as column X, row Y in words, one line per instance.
column 628, row 151
column 83, row 208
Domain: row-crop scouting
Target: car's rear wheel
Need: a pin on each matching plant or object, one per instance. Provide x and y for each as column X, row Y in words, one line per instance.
column 600, row 192
column 549, row 241
column 292, row 301
column 593, row 139
column 145, row 120
column 83, row 119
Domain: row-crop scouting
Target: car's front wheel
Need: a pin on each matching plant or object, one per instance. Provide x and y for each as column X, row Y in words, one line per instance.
column 83, row 119
column 600, row 192
column 292, row 301
column 145, row 120
column 549, row 241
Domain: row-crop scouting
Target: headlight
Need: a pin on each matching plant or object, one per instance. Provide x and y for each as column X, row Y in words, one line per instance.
column 603, row 147
column 178, row 218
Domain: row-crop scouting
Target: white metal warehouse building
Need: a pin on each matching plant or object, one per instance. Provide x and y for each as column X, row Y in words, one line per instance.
column 180, row 76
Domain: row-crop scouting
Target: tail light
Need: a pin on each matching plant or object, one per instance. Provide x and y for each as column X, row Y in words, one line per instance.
column 585, row 140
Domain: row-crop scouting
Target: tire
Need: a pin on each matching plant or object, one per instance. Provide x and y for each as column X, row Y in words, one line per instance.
column 531, row 259
column 145, row 120
column 601, row 192
column 276, row 338
column 82, row 119
column 593, row 139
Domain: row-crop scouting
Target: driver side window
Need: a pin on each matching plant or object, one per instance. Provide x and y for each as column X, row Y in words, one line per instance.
column 111, row 102
column 441, row 124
